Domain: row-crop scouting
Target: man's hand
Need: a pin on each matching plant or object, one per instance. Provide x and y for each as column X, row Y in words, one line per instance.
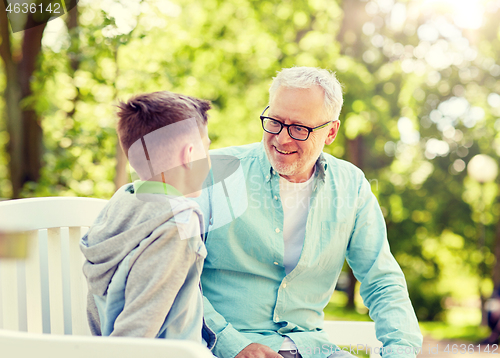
column 256, row 350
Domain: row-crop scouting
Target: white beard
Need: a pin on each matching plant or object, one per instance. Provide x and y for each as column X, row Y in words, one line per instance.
column 292, row 168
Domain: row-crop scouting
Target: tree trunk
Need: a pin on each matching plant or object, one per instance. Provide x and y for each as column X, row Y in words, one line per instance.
column 355, row 155
column 13, row 111
column 349, row 38
column 350, row 34
column 496, row 250
column 72, row 24
column 23, row 125
column 33, row 134
column 351, row 290
column 121, row 175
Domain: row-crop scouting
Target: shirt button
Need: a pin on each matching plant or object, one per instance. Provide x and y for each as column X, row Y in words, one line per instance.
column 277, row 230
column 276, row 263
column 284, row 285
column 275, row 197
column 277, row 318
column 267, row 177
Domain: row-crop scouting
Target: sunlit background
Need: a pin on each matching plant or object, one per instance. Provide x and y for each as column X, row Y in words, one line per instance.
column 422, row 100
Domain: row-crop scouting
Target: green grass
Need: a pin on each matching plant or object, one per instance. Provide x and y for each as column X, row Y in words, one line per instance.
column 445, row 331
column 336, row 311
column 462, row 324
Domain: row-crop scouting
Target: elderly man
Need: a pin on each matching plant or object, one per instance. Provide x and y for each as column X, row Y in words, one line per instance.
column 270, row 272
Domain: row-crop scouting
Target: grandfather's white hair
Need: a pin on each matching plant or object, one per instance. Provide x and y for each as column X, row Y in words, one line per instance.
column 307, row 77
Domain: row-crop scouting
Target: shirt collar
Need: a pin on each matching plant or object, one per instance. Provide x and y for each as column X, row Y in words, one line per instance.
column 321, row 167
column 268, row 171
column 155, row 187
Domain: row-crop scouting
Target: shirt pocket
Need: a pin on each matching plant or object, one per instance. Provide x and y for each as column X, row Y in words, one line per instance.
column 333, row 244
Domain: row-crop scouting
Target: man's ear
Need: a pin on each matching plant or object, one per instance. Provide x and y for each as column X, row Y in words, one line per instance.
column 187, row 156
column 332, row 133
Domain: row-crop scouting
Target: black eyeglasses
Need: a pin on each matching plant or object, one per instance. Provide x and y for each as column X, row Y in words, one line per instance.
column 295, row 131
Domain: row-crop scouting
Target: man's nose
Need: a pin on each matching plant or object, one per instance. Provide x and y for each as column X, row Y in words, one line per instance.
column 283, row 136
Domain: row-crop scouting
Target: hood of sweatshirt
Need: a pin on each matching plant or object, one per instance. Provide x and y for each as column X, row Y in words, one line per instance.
column 121, row 226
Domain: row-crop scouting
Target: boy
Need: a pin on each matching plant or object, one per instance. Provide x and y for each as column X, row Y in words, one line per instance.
column 144, row 252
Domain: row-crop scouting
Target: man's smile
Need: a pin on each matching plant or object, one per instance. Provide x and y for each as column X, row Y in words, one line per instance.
column 284, row 152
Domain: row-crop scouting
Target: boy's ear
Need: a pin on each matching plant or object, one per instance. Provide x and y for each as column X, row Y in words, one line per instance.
column 187, row 156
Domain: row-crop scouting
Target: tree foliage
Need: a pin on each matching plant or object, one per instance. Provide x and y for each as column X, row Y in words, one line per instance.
column 421, row 99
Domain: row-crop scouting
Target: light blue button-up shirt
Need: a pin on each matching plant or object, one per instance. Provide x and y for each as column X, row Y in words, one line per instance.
column 248, row 296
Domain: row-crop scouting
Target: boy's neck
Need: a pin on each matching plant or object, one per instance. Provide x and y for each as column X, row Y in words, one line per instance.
column 158, row 185
column 180, row 179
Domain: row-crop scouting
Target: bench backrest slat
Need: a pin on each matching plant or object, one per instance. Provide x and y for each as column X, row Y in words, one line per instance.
column 46, row 292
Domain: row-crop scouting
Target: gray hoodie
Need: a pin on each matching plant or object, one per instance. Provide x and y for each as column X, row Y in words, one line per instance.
column 144, row 259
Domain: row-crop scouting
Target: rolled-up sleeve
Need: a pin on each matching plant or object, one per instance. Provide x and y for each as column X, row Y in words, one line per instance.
column 383, row 286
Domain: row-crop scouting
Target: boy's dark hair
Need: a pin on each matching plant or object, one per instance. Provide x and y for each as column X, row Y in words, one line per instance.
column 145, row 113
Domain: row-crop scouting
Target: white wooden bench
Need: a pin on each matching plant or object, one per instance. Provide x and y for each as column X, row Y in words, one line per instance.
column 46, row 292
column 35, row 345
column 360, row 336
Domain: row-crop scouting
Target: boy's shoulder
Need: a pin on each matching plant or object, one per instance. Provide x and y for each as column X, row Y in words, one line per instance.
column 129, row 213
column 186, row 217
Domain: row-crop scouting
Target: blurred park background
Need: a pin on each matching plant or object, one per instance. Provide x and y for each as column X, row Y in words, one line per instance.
column 421, row 83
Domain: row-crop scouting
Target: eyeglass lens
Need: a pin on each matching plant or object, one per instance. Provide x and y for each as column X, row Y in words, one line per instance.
column 296, row 132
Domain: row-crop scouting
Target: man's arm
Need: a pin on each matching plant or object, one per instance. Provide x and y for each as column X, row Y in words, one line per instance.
column 231, row 343
column 383, row 286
